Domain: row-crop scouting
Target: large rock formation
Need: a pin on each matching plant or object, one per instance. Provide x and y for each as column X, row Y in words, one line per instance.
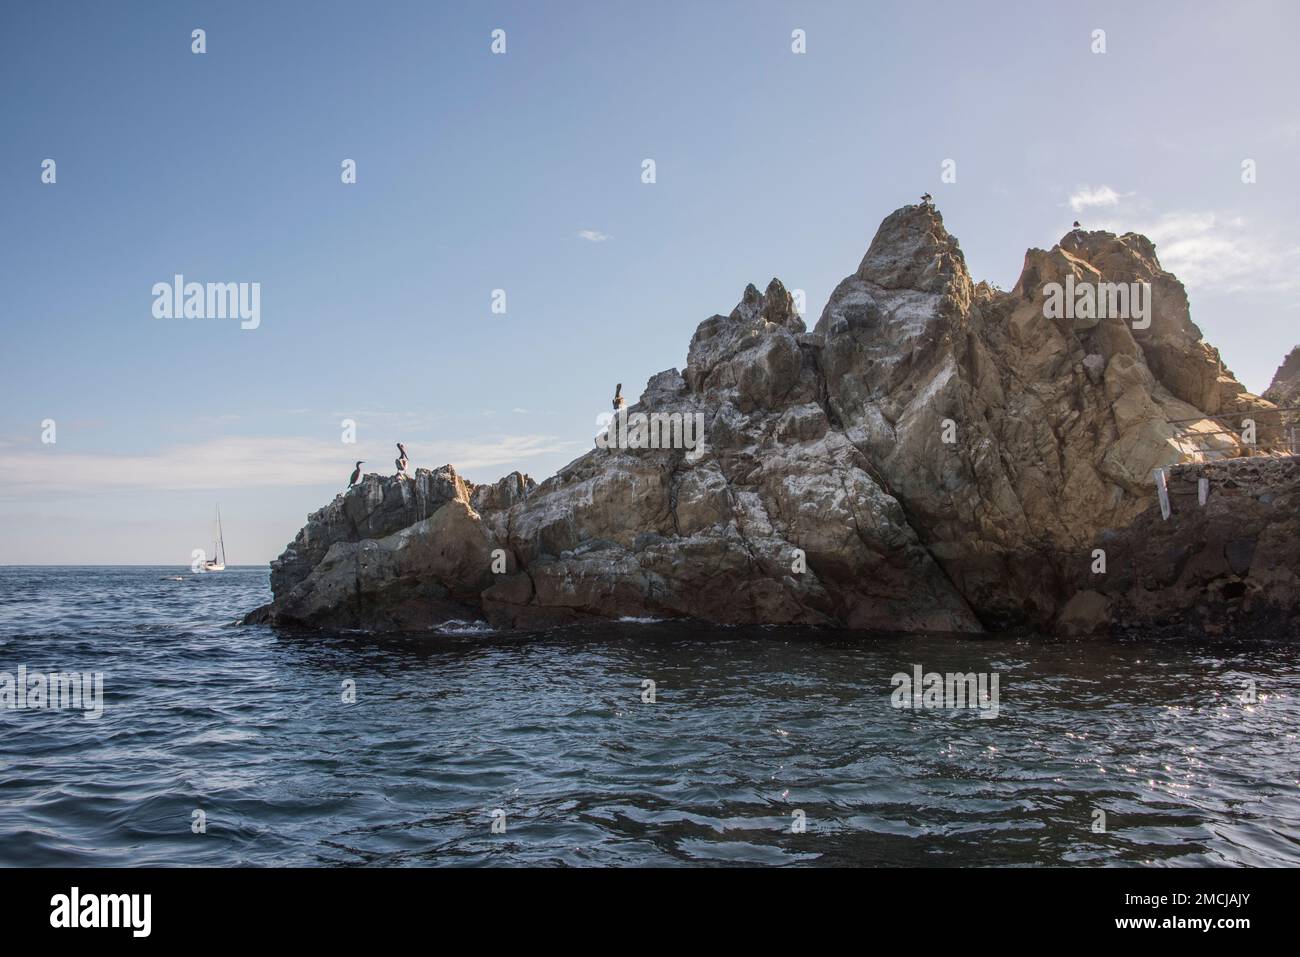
column 936, row 455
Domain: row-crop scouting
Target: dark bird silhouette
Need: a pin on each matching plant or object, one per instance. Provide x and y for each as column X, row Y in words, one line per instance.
column 925, row 198
column 619, row 401
column 1076, row 225
column 356, row 475
column 401, row 458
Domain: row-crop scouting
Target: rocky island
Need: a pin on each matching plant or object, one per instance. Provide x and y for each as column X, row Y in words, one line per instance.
column 935, row 455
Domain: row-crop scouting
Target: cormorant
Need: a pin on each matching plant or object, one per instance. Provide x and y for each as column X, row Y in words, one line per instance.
column 619, row 401
column 401, row 458
column 356, row 475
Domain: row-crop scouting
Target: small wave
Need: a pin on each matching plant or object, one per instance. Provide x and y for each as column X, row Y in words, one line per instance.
column 634, row 620
column 458, row 627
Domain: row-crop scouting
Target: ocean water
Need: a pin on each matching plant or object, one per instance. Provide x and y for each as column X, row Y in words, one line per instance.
column 752, row 733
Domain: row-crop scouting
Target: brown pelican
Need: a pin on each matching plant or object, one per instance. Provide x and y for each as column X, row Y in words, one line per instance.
column 401, row 458
column 925, row 199
column 356, row 475
column 619, row 401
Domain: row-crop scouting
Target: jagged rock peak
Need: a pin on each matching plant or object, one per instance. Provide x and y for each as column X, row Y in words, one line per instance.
column 760, row 333
column 1095, row 245
column 775, row 305
column 913, row 250
column 503, row 493
column 1284, row 390
column 1095, row 256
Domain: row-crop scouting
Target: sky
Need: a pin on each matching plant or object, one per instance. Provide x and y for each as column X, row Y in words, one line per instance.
column 522, row 171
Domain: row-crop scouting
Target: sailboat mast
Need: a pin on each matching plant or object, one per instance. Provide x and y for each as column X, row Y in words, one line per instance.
column 221, row 536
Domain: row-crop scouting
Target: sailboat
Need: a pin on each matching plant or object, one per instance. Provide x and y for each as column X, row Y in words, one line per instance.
column 217, row 563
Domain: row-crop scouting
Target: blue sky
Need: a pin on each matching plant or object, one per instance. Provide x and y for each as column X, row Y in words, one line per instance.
column 478, row 172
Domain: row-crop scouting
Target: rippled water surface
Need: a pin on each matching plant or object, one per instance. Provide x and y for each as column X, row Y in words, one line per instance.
column 749, row 726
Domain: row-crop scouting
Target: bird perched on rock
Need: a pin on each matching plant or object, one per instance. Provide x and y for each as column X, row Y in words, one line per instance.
column 619, row 401
column 356, row 475
column 1076, row 225
column 401, row 459
column 925, row 199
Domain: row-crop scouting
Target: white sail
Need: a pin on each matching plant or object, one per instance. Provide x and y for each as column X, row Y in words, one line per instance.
column 217, row 563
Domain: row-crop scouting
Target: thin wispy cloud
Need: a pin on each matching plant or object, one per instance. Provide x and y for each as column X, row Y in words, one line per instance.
column 1207, row 249
column 1286, row 132
column 503, row 451
column 594, row 235
column 391, row 422
column 248, row 462
column 1086, row 197
column 206, row 420
column 1210, row 251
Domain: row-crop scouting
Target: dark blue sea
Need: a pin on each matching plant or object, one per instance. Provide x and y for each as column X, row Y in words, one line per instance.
column 762, row 746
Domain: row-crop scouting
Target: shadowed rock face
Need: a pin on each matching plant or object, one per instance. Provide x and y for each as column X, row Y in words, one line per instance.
column 1284, row 390
column 935, row 455
column 1229, row 566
